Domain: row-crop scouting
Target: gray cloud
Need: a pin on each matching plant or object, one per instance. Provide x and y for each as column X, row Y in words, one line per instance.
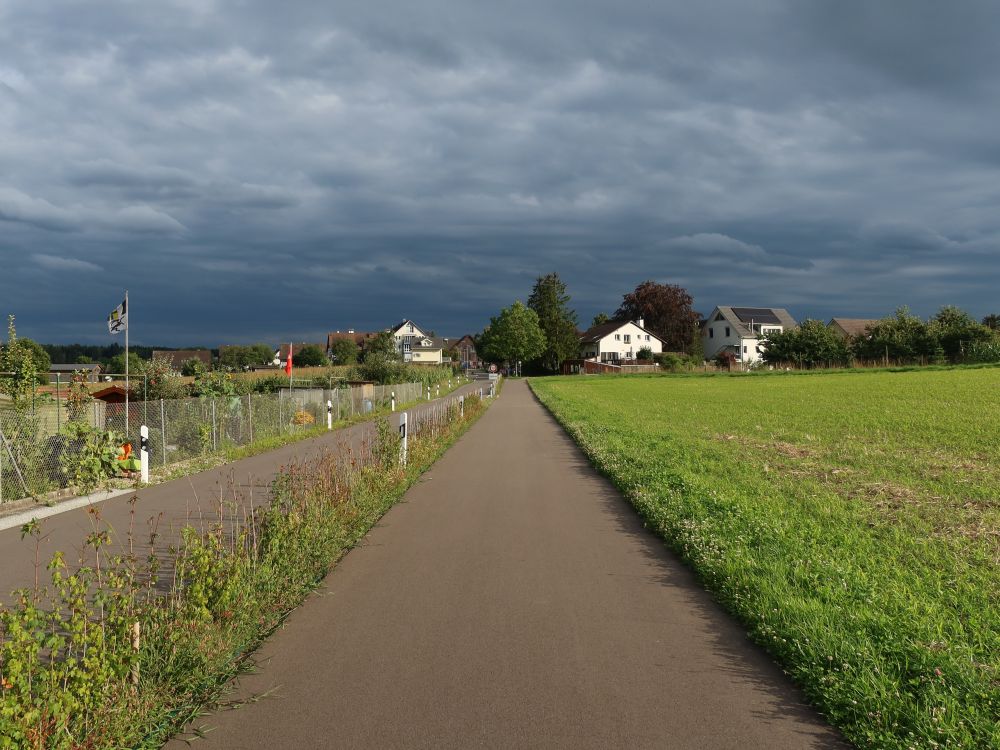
column 57, row 263
column 260, row 170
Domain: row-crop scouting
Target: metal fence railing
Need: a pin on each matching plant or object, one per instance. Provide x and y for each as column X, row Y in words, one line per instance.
column 34, row 449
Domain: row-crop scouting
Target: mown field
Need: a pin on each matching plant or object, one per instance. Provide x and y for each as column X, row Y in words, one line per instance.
column 850, row 520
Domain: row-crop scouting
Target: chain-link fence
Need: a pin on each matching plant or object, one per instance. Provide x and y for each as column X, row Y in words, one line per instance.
column 35, row 451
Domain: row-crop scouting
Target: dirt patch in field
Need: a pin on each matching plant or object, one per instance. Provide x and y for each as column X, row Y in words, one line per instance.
column 773, row 446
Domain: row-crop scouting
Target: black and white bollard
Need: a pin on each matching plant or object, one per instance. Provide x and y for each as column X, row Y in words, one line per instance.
column 428, row 393
column 439, row 390
column 329, row 414
column 402, row 439
column 144, row 454
column 392, row 402
column 461, row 406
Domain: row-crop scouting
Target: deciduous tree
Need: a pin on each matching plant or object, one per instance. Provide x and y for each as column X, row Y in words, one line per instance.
column 19, row 367
column 512, row 336
column 812, row 344
column 309, row 355
column 956, row 331
column 666, row 310
column 344, row 352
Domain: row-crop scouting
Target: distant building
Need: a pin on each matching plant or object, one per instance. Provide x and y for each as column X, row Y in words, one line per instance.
column 851, row 327
column 741, row 330
column 178, row 357
column 467, row 356
column 618, row 341
column 112, row 394
column 428, row 350
column 64, row 373
column 406, row 333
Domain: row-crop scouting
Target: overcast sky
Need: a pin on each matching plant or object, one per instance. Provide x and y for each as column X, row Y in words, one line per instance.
column 274, row 170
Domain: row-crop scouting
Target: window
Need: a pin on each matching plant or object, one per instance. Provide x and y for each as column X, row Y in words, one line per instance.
column 628, row 338
column 711, row 333
column 744, row 350
column 727, row 332
column 618, row 337
column 647, row 337
column 409, row 328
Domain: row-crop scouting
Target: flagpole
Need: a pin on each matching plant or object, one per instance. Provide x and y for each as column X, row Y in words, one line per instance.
column 127, row 311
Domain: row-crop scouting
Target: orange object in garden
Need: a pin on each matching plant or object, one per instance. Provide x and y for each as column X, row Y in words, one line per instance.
column 126, row 452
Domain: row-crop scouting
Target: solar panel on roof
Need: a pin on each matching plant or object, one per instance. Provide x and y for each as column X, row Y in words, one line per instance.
column 755, row 314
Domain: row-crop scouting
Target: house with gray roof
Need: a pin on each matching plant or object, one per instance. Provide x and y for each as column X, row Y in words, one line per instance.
column 851, row 327
column 741, row 330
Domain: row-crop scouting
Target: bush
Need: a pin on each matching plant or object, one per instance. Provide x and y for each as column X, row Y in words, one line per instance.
column 645, row 354
column 89, row 455
column 671, row 361
column 983, row 351
column 192, row 367
column 725, row 359
column 309, row 356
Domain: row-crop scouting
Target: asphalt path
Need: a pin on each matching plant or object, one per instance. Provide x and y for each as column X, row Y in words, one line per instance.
column 513, row 600
column 169, row 506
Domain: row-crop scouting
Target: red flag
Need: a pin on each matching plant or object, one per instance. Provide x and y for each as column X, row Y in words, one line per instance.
column 288, row 362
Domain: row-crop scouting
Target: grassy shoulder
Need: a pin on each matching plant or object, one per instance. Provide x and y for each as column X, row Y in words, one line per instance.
column 119, row 651
column 850, row 522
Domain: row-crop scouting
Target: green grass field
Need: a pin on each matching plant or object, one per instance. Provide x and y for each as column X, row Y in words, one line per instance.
column 850, row 520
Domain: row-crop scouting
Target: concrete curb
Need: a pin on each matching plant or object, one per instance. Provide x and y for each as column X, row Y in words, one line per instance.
column 39, row 512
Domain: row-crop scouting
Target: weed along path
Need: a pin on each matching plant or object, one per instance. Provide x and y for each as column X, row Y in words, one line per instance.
column 513, row 599
column 172, row 504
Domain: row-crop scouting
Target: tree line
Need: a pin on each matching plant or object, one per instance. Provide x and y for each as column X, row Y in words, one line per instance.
column 951, row 336
column 544, row 333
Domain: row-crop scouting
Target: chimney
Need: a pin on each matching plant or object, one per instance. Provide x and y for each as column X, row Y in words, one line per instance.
column 641, row 323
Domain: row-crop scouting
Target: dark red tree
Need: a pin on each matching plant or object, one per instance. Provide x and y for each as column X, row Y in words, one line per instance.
column 667, row 312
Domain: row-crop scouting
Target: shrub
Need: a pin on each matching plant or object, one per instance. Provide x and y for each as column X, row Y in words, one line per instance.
column 725, row 359
column 192, row 367
column 983, row 351
column 645, row 354
column 89, row 455
column 309, row 356
column 671, row 361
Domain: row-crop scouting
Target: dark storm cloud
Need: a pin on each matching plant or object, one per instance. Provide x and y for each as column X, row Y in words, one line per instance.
column 274, row 170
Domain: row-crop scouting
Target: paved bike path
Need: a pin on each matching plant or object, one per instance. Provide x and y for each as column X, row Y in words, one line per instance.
column 514, row 600
column 177, row 502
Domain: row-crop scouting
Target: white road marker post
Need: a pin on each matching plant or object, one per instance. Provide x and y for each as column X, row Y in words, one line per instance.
column 144, row 454
column 461, row 406
column 402, row 439
column 428, row 393
column 439, row 390
column 393, row 401
column 329, row 414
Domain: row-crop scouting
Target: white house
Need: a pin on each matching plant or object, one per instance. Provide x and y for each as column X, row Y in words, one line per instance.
column 618, row 340
column 741, row 330
column 428, row 350
column 406, row 333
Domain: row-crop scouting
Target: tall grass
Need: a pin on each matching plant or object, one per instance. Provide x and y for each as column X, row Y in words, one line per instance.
column 850, row 521
column 126, row 645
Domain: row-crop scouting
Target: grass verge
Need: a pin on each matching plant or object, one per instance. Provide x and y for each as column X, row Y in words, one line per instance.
column 851, row 523
column 125, row 648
